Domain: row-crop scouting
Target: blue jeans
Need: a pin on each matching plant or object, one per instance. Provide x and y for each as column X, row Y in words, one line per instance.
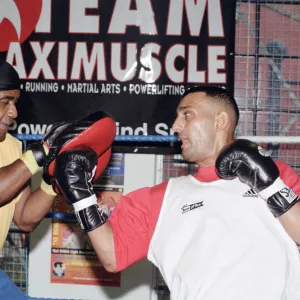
column 8, row 290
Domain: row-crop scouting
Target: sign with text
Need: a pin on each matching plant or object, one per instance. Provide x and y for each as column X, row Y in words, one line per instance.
column 73, row 259
column 131, row 58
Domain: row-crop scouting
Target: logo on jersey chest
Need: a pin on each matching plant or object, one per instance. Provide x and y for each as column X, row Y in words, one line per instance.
column 251, row 193
column 188, row 207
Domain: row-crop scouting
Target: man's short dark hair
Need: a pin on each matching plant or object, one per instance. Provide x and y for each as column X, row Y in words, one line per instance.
column 218, row 94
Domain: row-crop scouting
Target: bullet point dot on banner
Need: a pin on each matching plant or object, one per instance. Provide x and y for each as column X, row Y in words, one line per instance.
column 62, row 87
column 124, row 88
column 21, row 86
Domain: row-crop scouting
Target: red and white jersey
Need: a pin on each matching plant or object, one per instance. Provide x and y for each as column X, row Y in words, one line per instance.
column 220, row 241
column 211, row 239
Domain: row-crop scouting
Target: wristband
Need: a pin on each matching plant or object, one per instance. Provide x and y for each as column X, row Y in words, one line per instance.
column 275, row 187
column 89, row 215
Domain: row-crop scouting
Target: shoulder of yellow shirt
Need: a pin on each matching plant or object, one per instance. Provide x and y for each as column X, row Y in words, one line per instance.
column 11, row 141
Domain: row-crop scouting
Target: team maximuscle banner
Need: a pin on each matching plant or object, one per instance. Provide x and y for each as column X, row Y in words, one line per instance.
column 131, row 58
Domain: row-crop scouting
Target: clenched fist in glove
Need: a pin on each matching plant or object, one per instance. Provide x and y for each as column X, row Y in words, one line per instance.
column 74, row 171
column 250, row 163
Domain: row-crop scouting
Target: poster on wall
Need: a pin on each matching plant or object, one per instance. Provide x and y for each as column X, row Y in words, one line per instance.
column 113, row 176
column 73, row 260
column 131, row 58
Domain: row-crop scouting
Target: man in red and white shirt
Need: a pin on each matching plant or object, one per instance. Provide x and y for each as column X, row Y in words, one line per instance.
column 210, row 238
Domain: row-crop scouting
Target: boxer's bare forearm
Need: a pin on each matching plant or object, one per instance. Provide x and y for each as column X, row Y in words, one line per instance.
column 31, row 208
column 290, row 220
column 12, row 180
column 103, row 242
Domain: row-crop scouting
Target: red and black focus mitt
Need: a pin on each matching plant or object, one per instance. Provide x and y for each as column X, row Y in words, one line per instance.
column 96, row 131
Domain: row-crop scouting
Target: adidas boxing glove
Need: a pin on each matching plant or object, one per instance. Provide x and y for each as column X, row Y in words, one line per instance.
column 252, row 165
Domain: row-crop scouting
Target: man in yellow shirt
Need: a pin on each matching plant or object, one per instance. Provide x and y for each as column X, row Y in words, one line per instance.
column 17, row 202
column 94, row 131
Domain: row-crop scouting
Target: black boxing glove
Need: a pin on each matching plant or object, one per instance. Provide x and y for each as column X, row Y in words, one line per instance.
column 252, row 165
column 73, row 173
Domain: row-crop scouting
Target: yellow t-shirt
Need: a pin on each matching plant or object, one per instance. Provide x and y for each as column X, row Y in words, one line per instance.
column 10, row 151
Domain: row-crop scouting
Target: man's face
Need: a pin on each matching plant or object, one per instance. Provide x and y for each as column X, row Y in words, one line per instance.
column 195, row 125
column 8, row 110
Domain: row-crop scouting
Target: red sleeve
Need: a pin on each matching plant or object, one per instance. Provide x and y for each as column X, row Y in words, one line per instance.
column 289, row 176
column 133, row 222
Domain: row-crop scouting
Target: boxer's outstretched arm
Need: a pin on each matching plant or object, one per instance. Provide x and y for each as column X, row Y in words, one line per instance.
column 103, row 243
column 290, row 220
column 74, row 172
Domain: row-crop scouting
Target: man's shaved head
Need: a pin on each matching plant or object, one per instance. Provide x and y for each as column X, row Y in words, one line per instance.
column 206, row 121
column 219, row 96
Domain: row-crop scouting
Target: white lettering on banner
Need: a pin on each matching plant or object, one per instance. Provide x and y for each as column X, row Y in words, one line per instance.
column 89, row 65
column 174, row 52
column 155, row 89
column 85, row 66
column 62, row 60
column 123, row 48
column 81, row 59
column 41, row 63
column 127, row 130
column 24, row 128
column 151, row 70
column 160, row 128
column 215, row 18
column 163, row 129
column 195, row 12
column 82, row 88
column 142, row 17
column 41, row 87
column 110, row 88
column 44, row 23
column 103, row 88
column 79, row 22
column 195, row 75
column 216, row 64
column 14, row 54
column 127, row 73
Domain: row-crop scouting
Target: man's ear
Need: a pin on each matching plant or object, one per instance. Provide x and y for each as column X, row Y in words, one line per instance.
column 222, row 121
